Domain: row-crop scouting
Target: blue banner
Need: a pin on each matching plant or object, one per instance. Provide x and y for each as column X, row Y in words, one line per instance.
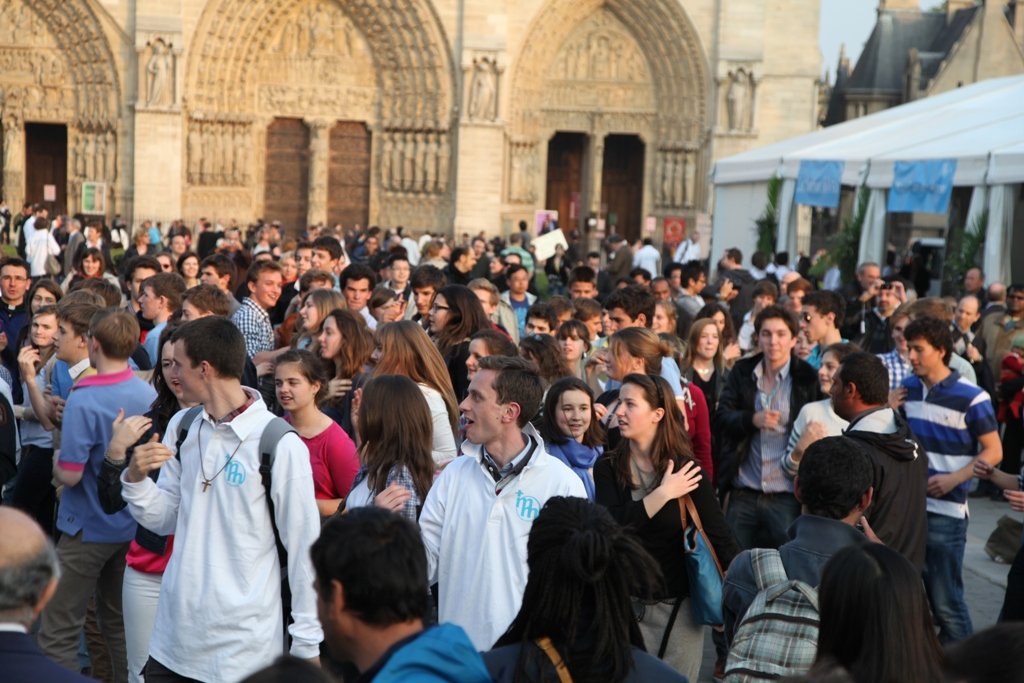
column 923, row 186
column 818, row 183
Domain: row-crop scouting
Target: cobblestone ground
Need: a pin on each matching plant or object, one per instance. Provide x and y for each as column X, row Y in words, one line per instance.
column 984, row 580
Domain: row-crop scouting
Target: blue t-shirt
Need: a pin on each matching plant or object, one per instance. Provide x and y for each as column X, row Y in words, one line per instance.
column 520, row 308
column 61, row 381
column 87, row 428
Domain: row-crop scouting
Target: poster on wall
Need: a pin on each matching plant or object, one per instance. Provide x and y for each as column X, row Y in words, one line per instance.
column 94, row 198
column 544, row 221
column 674, row 228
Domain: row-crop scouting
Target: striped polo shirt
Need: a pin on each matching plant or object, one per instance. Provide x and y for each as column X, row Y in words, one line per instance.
column 948, row 419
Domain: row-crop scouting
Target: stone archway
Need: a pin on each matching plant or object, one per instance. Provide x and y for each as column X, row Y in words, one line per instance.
column 40, row 76
column 383, row 63
column 601, row 67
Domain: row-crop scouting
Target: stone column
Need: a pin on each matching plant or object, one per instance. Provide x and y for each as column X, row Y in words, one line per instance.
column 593, row 180
column 319, row 156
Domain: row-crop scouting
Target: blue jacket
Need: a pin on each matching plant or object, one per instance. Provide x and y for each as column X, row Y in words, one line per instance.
column 22, row 661
column 815, row 540
column 439, row 653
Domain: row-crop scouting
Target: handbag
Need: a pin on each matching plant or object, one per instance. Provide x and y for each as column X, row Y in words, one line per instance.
column 703, row 570
column 52, row 265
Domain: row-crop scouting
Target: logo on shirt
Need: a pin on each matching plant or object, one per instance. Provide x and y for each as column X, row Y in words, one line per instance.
column 527, row 507
column 234, row 473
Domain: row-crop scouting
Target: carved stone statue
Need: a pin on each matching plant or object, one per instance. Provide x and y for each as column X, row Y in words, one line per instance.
column 690, row 175
column 483, row 96
column 408, row 161
column 240, row 175
column 736, row 100
column 194, row 153
column 90, row 158
column 385, row 162
column 443, row 158
column 158, row 69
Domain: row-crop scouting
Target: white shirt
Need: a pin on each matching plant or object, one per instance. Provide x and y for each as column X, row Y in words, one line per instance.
column 443, row 447
column 687, row 251
column 476, row 540
column 37, row 247
column 371, row 322
column 219, row 614
column 648, row 258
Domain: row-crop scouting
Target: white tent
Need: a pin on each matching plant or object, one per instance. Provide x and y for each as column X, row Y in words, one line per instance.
column 981, row 126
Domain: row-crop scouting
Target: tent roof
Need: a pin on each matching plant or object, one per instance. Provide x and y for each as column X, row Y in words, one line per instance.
column 970, row 124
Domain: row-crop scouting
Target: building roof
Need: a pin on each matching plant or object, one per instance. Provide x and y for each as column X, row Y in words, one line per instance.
column 883, row 61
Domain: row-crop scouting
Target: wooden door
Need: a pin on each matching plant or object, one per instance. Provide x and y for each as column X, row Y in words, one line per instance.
column 348, row 176
column 286, row 189
column 622, row 184
column 565, row 176
column 46, row 163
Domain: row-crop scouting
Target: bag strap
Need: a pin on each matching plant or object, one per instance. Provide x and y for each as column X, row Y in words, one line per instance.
column 686, row 507
column 186, row 423
column 545, row 644
column 272, row 435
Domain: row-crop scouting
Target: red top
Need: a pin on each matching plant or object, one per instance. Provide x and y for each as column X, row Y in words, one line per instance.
column 333, row 458
column 699, row 421
column 146, row 561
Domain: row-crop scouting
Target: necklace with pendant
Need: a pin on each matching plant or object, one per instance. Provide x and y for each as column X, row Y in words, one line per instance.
column 208, row 481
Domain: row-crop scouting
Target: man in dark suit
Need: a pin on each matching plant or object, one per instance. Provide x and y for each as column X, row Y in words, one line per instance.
column 28, row 575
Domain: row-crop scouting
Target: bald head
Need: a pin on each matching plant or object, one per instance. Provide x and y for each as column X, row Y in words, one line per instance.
column 997, row 293
column 28, row 567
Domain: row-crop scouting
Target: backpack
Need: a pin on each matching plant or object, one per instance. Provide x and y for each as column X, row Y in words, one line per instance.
column 778, row 636
column 273, row 432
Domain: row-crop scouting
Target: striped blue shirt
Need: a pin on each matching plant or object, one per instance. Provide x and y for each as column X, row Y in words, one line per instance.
column 949, row 419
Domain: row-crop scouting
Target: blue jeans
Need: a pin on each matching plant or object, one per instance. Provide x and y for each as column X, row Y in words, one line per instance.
column 761, row 520
column 943, row 576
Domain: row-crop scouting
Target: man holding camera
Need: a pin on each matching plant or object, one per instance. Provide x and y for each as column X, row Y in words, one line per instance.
column 871, row 328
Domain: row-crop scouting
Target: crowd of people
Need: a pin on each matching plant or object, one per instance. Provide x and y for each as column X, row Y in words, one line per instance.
column 447, row 459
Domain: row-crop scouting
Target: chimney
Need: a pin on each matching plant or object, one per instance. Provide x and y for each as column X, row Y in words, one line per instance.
column 953, row 6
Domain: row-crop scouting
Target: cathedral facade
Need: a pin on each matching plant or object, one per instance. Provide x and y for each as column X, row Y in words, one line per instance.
column 440, row 115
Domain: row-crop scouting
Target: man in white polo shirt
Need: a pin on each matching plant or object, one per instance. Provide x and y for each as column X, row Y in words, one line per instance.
column 478, row 514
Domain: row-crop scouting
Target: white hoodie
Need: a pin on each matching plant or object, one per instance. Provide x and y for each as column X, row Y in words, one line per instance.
column 476, row 540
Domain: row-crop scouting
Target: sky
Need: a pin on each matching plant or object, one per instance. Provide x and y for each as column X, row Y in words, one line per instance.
column 849, row 22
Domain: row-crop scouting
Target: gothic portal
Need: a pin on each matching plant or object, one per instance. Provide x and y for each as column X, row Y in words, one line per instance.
column 433, row 114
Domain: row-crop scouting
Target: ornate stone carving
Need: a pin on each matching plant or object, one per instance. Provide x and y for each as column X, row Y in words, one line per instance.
column 218, row 153
column 675, row 175
column 600, row 66
column 738, row 99
column 415, row 162
column 522, row 174
column 160, row 63
column 483, row 90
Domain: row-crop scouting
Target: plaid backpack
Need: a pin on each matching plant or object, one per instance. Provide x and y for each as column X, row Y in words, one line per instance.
column 778, row 636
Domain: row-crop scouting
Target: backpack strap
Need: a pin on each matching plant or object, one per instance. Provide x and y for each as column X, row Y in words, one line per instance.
column 768, row 568
column 272, row 435
column 273, row 432
column 186, row 423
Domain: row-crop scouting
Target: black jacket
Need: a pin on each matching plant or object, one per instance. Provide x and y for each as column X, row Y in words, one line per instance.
column 662, row 535
column 897, row 514
column 734, row 419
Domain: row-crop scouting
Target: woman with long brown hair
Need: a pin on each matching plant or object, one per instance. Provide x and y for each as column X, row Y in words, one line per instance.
column 455, row 316
column 395, row 454
column 639, row 483
column 403, row 348
column 704, row 365
column 346, row 345
column 638, row 349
